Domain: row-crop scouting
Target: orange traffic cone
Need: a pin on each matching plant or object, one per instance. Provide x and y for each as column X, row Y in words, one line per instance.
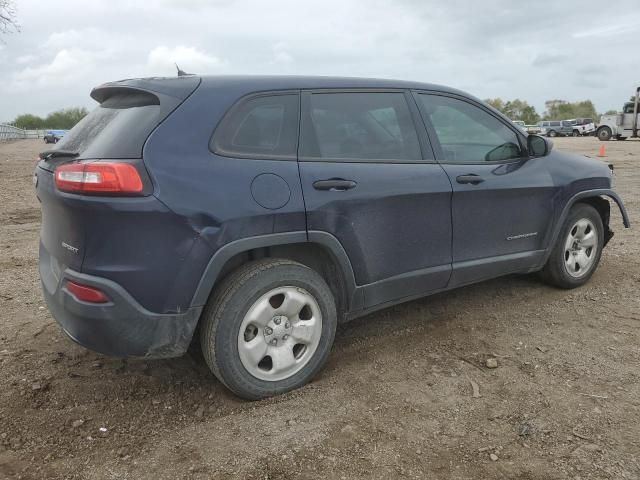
column 602, row 153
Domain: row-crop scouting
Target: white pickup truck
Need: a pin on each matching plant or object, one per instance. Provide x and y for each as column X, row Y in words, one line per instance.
column 583, row 126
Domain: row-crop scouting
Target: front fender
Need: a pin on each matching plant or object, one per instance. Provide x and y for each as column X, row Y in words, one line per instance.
column 601, row 192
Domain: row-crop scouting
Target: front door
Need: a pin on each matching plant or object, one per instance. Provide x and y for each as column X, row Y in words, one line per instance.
column 369, row 179
column 502, row 199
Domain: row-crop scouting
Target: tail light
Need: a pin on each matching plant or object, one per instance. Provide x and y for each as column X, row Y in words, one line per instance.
column 99, row 177
column 86, row 293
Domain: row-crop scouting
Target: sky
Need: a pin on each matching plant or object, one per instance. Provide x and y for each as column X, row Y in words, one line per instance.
column 535, row 51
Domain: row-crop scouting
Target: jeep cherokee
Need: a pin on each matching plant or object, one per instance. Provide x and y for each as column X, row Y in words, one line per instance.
column 261, row 211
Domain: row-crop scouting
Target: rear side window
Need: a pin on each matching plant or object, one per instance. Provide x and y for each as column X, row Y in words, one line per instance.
column 259, row 127
column 359, row 126
column 117, row 128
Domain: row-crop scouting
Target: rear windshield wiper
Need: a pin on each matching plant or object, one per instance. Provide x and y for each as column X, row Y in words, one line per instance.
column 57, row 153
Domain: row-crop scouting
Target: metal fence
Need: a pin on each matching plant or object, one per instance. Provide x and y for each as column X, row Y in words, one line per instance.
column 9, row 132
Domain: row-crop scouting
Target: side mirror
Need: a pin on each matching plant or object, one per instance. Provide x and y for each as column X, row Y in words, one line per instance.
column 538, row 146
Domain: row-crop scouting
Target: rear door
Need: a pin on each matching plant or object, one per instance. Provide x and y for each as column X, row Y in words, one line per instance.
column 502, row 199
column 369, row 179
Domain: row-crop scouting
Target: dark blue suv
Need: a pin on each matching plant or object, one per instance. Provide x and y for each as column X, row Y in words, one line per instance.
column 258, row 212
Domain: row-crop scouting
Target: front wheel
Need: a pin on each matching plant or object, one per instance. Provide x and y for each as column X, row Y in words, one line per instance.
column 268, row 328
column 604, row 134
column 552, row 133
column 576, row 133
column 576, row 253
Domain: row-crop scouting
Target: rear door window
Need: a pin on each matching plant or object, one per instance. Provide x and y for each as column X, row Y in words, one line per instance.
column 265, row 126
column 359, row 126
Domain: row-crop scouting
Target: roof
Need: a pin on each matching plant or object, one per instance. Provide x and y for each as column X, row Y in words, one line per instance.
column 177, row 86
column 285, row 82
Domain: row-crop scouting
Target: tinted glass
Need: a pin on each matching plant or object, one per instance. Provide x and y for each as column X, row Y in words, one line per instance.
column 360, row 126
column 117, row 128
column 468, row 134
column 261, row 127
column 554, row 124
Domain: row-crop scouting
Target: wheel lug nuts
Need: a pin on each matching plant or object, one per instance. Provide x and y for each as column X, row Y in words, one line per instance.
column 268, row 331
column 276, row 320
column 285, row 336
column 287, row 325
column 274, row 342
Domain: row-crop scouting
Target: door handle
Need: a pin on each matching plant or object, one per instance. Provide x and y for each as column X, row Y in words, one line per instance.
column 334, row 184
column 471, row 178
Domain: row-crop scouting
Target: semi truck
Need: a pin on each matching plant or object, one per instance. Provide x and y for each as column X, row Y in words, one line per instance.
column 621, row 125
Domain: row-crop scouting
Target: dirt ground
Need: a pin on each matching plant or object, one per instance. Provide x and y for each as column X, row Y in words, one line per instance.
column 396, row 399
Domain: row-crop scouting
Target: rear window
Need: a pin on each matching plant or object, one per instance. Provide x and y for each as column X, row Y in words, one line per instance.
column 117, row 128
column 259, row 127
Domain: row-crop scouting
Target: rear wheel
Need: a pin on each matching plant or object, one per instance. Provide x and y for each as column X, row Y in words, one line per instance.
column 604, row 133
column 576, row 133
column 268, row 328
column 578, row 248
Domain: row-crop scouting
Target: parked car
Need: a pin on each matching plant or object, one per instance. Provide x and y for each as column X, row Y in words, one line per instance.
column 520, row 124
column 260, row 212
column 54, row 136
column 582, row 126
column 556, row 128
column 533, row 129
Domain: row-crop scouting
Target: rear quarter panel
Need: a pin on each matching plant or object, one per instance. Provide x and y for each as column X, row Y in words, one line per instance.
column 210, row 193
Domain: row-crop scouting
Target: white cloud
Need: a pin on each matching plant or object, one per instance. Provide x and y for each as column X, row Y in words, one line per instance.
column 281, row 54
column 162, row 60
column 22, row 59
column 66, row 66
column 608, row 30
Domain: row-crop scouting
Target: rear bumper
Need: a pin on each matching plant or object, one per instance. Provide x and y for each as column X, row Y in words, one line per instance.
column 120, row 327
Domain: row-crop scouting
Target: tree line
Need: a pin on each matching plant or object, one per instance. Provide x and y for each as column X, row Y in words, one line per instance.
column 556, row 110
column 61, row 119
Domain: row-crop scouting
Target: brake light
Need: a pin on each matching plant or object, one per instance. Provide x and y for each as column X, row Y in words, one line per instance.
column 98, row 177
column 86, row 293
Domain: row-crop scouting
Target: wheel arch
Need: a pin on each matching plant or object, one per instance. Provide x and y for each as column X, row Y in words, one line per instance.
column 598, row 200
column 320, row 251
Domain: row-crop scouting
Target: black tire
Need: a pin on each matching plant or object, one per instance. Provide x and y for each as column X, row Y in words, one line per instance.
column 622, row 139
column 555, row 271
column 604, row 134
column 225, row 312
column 552, row 133
column 576, row 133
